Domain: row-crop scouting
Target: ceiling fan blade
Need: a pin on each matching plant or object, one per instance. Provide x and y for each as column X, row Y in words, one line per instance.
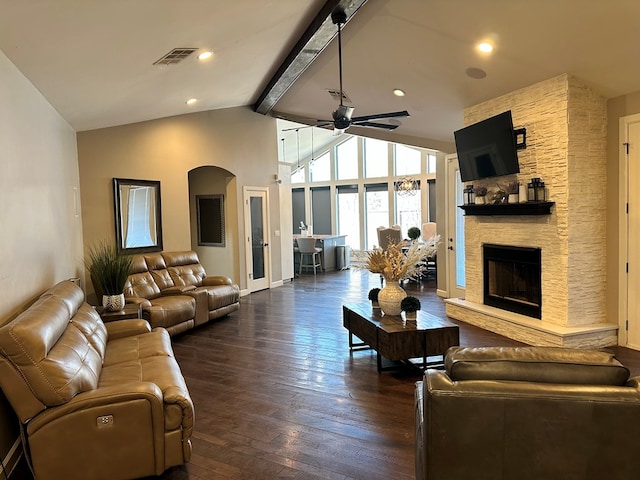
column 386, row 126
column 378, row 116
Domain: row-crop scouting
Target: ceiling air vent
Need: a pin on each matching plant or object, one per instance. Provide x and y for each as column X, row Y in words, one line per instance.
column 175, row 56
column 335, row 94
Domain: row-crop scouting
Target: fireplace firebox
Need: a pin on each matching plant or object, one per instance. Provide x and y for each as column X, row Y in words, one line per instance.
column 512, row 279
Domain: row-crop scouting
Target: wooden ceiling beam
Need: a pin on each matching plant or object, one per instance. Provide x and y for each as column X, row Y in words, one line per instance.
column 317, row 36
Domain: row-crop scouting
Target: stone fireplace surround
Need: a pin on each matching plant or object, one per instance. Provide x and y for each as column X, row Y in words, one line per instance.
column 566, row 148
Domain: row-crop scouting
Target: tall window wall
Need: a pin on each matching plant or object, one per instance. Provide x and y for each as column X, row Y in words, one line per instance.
column 357, row 180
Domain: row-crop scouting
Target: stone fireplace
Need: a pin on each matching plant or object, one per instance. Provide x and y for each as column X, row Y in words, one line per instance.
column 566, row 148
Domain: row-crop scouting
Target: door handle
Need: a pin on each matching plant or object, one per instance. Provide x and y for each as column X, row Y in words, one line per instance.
column 450, row 247
column 265, row 244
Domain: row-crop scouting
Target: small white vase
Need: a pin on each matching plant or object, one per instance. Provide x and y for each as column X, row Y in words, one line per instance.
column 113, row 303
column 390, row 297
column 514, row 198
column 480, row 201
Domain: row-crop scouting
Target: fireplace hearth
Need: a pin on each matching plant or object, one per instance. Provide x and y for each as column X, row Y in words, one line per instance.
column 512, row 279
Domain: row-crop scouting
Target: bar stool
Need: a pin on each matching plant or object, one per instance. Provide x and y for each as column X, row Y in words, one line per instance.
column 309, row 253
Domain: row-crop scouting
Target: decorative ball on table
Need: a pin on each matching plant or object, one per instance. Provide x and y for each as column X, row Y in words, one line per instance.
column 410, row 306
column 373, row 296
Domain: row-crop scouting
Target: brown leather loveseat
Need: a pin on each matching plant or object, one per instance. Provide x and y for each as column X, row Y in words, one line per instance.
column 176, row 293
column 96, row 400
column 527, row 413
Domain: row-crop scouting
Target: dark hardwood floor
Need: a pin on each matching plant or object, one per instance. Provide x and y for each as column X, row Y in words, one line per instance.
column 277, row 393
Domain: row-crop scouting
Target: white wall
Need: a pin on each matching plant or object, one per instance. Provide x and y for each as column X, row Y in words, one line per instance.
column 40, row 224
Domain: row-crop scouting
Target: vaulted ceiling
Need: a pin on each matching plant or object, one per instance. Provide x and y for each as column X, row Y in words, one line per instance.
column 94, row 60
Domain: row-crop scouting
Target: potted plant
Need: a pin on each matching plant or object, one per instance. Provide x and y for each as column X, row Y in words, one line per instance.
column 410, row 306
column 480, row 192
column 413, row 233
column 373, row 296
column 512, row 190
column 109, row 270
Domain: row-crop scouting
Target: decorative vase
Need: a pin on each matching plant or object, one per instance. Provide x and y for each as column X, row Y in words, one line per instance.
column 390, row 297
column 514, row 198
column 480, row 201
column 113, row 303
column 411, row 316
column 375, row 305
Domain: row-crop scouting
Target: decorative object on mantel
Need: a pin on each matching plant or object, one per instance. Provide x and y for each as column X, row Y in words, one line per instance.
column 536, row 190
column 109, row 270
column 399, row 261
column 373, row 296
column 410, row 306
column 480, row 192
column 522, row 194
column 513, row 189
column 468, row 195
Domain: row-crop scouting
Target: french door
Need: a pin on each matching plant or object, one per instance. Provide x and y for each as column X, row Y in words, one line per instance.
column 629, row 245
column 454, row 231
column 256, row 227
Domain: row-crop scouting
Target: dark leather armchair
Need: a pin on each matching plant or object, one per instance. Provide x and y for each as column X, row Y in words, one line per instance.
column 527, row 413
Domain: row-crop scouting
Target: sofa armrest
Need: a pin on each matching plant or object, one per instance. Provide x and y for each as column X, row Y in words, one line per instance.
column 127, row 328
column 178, row 290
column 103, row 397
column 216, row 280
column 143, row 302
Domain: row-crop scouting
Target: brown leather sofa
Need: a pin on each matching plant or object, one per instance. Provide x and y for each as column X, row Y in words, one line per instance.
column 176, row 293
column 96, row 400
column 527, row 413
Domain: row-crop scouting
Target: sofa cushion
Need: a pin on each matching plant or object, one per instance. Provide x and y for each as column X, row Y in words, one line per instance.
column 184, row 268
column 535, row 364
column 170, row 310
column 156, row 343
column 141, row 285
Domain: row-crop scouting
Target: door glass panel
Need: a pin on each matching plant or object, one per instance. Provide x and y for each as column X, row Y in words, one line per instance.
column 257, row 237
column 459, row 236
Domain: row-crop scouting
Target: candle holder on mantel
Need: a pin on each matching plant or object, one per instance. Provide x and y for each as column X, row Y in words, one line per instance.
column 536, row 190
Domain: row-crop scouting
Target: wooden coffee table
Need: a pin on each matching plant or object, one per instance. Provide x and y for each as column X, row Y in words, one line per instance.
column 398, row 340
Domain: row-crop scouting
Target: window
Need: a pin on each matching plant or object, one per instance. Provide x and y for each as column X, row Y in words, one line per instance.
column 347, row 159
column 377, row 211
column 376, row 158
column 298, row 176
column 320, row 168
column 320, row 210
column 298, row 206
column 407, row 160
column 408, row 212
column 431, row 163
column 348, row 211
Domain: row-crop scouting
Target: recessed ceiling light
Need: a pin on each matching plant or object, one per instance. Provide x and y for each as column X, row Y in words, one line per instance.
column 191, row 101
column 485, row 47
column 399, row 92
column 205, row 55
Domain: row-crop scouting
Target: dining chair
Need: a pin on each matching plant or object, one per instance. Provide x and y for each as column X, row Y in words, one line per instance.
column 309, row 254
column 389, row 235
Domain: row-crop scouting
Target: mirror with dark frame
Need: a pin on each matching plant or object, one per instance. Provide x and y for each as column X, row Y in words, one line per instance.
column 138, row 215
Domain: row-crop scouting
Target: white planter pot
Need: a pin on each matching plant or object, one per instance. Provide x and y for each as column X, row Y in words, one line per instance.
column 514, row 198
column 113, row 303
column 390, row 297
column 480, row 200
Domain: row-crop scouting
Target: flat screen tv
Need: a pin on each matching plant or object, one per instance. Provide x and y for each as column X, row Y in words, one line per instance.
column 487, row 148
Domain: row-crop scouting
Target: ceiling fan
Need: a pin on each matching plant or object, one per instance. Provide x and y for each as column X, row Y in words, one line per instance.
column 342, row 116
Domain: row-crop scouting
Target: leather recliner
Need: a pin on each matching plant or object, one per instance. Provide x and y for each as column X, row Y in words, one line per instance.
column 527, row 413
column 104, row 401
